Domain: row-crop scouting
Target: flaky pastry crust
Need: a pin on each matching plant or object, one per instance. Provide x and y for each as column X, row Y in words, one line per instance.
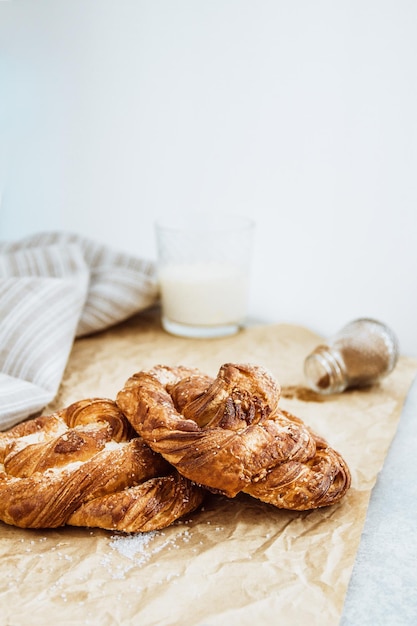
column 229, row 435
column 85, row 466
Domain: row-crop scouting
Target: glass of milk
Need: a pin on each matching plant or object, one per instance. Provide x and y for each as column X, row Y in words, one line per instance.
column 203, row 272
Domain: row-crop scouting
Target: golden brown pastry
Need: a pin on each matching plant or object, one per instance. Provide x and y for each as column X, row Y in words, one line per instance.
column 85, row 466
column 229, row 435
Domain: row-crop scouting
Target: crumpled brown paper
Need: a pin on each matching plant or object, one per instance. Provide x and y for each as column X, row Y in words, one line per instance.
column 235, row 562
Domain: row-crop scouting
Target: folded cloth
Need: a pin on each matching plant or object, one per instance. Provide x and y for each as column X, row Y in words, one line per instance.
column 55, row 287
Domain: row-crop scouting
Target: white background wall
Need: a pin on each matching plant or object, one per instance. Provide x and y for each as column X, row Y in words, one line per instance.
column 299, row 113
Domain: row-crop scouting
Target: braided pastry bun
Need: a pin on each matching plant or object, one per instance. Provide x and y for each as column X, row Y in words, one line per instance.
column 229, row 435
column 85, row 466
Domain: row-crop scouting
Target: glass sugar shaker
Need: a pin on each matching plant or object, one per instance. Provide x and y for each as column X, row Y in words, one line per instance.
column 360, row 354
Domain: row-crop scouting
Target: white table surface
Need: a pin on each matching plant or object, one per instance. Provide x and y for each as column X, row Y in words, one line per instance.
column 383, row 586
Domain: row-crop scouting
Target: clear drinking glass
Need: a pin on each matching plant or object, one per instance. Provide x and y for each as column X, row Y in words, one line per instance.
column 203, row 272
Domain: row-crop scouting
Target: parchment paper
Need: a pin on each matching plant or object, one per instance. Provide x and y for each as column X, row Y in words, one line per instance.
column 235, row 562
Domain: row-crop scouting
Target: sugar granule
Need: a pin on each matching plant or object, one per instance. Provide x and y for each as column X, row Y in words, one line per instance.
column 131, row 545
column 137, row 548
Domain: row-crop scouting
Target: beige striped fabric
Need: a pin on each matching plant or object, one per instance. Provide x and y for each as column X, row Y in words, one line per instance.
column 55, row 287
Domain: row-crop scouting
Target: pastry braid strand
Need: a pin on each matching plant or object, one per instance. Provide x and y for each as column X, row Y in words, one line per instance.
column 229, row 435
column 85, row 466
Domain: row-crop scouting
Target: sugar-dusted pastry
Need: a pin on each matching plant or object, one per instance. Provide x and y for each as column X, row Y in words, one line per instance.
column 229, row 435
column 85, row 466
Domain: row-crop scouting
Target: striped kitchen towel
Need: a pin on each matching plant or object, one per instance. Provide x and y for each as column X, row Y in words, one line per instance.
column 55, row 287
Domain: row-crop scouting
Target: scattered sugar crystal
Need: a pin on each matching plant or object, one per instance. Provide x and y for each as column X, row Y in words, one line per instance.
column 133, row 545
column 138, row 549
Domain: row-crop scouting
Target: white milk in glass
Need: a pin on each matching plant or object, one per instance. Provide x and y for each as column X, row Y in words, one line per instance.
column 204, row 294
